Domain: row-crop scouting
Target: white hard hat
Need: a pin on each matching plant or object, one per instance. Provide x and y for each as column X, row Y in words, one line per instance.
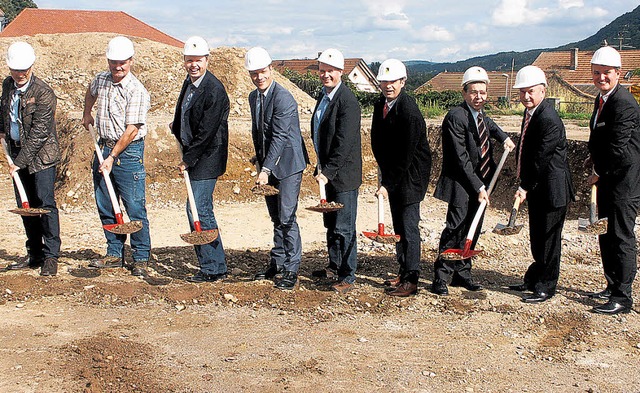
column 530, row 76
column 474, row 74
column 120, row 48
column 391, row 70
column 256, row 58
column 20, row 56
column 196, row 46
column 332, row 57
column 607, row 56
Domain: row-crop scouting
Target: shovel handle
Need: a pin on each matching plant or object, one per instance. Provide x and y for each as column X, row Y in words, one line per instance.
column 192, row 202
column 593, row 213
column 380, row 211
column 476, row 220
column 16, row 178
column 494, row 179
column 107, row 179
column 514, row 212
column 323, row 192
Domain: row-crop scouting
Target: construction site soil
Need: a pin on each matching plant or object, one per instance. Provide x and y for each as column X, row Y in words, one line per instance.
column 89, row 330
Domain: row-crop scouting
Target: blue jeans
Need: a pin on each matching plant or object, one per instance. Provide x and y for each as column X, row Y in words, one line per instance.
column 128, row 177
column 43, row 232
column 341, row 234
column 211, row 256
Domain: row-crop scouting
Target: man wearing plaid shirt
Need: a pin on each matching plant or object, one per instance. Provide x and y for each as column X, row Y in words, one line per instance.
column 121, row 111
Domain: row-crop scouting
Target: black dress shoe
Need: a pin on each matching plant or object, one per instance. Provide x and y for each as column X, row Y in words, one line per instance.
column 204, row 277
column 271, row 272
column 49, row 267
column 28, row 262
column 537, row 297
column 520, row 287
column 605, row 295
column 288, row 281
column 611, row 308
column 469, row 285
column 439, row 288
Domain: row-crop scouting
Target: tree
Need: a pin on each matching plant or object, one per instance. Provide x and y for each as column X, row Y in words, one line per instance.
column 12, row 8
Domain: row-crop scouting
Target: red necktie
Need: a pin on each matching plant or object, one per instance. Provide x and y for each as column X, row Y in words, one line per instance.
column 600, row 105
column 527, row 118
column 385, row 111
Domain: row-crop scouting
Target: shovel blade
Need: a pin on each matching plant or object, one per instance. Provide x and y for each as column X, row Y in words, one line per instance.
column 326, row 207
column 598, row 227
column 124, row 228
column 452, row 254
column 30, row 211
column 472, row 253
column 199, row 238
column 382, row 237
column 507, row 230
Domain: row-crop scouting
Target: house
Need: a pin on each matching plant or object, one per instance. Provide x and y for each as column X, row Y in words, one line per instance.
column 500, row 85
column 32, row 21
column 569, row 74
column 356, row 70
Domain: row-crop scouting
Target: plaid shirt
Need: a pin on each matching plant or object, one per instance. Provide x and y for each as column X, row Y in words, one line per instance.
column 119, row 104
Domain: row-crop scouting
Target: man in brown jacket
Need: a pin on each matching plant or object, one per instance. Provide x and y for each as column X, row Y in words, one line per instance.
column 28, row 107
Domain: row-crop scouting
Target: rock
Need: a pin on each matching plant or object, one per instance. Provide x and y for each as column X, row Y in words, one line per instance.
column 229, row 297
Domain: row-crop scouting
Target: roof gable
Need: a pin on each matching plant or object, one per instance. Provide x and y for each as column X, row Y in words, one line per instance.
column 499, row 84
column 32, row 21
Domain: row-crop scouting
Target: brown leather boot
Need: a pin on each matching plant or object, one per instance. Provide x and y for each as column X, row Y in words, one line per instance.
column 405, row 289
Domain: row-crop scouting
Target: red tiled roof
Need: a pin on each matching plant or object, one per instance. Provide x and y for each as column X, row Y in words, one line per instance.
column 561, row 63
column 303, row 65
column 451, row 81
column 33, row 21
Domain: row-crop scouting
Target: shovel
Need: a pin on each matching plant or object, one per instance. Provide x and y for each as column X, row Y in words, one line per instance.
column 324, row 206
column 511, row 228
column 120, row 227
column 25, row 210
column 592, row 224
column 453, row 254
column 198, row 236
column 263, row 189
column 380, row 236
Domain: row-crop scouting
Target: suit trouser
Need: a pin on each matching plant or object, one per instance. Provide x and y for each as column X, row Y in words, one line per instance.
column 545, row 232
column 406, row 220
column 341, row 234
column 618, row 246
column 457, row 226
column 43, row 232
column 287, row 244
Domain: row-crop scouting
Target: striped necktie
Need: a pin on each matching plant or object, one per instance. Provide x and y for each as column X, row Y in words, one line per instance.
column 527, row 118
column 484, row 146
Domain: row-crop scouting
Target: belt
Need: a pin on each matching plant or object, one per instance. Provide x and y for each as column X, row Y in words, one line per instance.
column 110, row 143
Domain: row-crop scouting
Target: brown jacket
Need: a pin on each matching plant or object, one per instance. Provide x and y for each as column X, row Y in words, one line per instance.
column 40, row 149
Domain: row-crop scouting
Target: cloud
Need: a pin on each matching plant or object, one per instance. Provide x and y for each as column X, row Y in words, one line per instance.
column 430, row 33
column 515, row 13
column 566, row 4
column 479, row 47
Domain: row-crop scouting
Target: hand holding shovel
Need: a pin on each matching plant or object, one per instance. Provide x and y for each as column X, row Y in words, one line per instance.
column 25, row 210
column 380, row 236
column 511, row 228
column 592, row 224
column 262, row 189
column 324, row 206
column 458, row 254
column 120, row 227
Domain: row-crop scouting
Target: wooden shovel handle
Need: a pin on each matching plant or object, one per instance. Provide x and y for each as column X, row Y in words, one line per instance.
column 107, row 179
column 514, row 212
column 593, row 211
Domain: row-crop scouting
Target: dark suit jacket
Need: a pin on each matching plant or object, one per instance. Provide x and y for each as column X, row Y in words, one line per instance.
column 614, row 145
column 285, row 150
column 460, row 176
column 339, row 150
column 207, row 112
column 399, row 143
column 544, row 171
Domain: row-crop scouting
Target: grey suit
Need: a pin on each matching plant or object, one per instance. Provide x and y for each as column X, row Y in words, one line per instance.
column 280, row 149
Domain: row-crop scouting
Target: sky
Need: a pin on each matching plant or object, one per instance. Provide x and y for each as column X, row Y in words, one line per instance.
column 438, row 31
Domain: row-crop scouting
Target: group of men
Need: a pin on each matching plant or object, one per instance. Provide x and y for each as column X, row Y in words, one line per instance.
column 400, row 146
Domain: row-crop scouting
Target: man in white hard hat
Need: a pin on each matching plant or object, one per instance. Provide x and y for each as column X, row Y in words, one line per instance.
column 201, row 127
column 400, row 146
column 335, row 130
column 281, row 157
column 28, row 125
column 467, row 168
column 121, row 123
column 614, row 147
column 545, row 182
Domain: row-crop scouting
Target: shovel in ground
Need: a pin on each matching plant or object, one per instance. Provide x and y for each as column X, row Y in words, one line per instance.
column 324, row 206
column 25, row 210
column 511, row 228
column 453, row 254
column 120, row 227
column 198, row 236
column 262, row 189
column 380, row 236
column 592, row 224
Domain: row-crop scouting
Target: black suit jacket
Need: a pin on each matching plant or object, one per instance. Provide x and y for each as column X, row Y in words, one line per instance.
column 460, row 175
column 339, row 147
column 399, row 143
column 286, row 153
column 614, row 145
column 544, row 169
column 208, row 112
